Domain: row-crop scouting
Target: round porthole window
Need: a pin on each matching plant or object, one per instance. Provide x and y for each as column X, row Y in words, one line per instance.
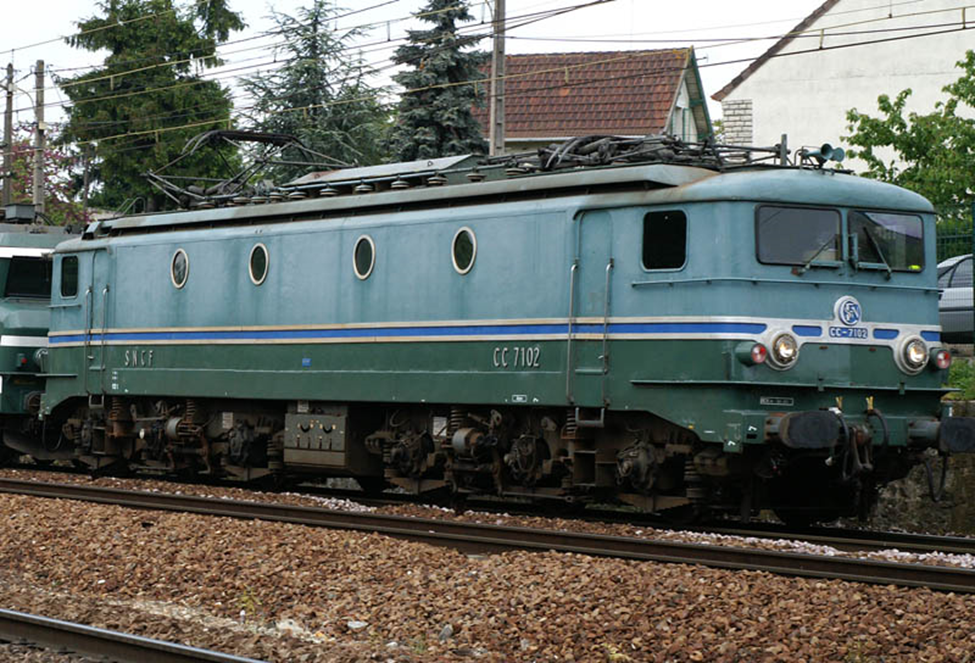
column 364, row 257
column 258, row 264
column 179, row 268
column 464, row 250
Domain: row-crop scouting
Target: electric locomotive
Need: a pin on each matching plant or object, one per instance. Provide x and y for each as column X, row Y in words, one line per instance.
column 668, row 325
column 25, row 291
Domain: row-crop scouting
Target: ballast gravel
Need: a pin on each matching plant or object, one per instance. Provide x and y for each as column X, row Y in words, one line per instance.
column 436, row 512
column 282, row 592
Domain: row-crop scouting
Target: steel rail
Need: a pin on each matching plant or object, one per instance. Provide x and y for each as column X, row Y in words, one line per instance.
column 845, row 539
column 501, row 538
column 112, row 645
column 853, row 539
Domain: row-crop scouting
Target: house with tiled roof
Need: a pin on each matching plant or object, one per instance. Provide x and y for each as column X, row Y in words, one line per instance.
column 844, row 55
column 550, row 97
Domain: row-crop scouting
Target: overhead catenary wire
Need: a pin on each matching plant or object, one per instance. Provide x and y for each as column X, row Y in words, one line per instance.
column 628, row 76
column 526, row 18
column 385, row 45
column 624, row 55
column 228, row 119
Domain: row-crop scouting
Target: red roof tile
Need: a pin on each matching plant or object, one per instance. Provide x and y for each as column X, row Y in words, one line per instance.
column 570, row 94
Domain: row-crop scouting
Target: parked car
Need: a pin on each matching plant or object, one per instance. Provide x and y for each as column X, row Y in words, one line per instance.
column 955, row 299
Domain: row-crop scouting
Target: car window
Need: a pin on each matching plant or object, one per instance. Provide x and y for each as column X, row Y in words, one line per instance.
column 944, row 276
column 962, row 276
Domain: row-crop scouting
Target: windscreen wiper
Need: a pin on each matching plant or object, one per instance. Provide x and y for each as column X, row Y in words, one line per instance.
column 819, row 251
column 880, row 253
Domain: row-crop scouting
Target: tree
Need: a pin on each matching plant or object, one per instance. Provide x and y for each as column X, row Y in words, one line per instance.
column 132, row 108
column 60, row 176
column 934, row 154
column 320, row 94
column 434, row 114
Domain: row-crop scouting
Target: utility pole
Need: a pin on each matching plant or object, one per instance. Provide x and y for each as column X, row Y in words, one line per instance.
column 39, row 137
column 8, row 140
column 496, row 131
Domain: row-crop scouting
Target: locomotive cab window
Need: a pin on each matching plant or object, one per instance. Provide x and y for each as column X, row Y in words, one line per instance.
column 69, row 276
column 28, row 277
column 888, row 241
column 798, row 236
column 664, row 240
column 257, row 264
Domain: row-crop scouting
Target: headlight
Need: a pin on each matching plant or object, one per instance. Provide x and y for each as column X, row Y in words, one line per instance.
column 915, row 354
column 912, row 354
column 785, row 350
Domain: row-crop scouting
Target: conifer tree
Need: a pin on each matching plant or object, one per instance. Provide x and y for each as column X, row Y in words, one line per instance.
column 434, row 116
column 320, row 94
column 133, row 118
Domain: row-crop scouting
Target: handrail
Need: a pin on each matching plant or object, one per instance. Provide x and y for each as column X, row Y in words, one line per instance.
column 756, row 281
column 605, row 354
column 568, row 346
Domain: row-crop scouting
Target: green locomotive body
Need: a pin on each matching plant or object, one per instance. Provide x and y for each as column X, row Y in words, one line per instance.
column 669, row 335
column 25, row 290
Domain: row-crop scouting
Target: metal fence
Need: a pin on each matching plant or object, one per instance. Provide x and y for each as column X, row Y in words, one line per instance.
column 954, row 244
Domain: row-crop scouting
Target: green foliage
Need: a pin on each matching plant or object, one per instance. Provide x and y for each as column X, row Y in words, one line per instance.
column 320, row 94
column 60, row 200
column 934, row 154
column 436, row 120
column 961, row 376
column 131, row 119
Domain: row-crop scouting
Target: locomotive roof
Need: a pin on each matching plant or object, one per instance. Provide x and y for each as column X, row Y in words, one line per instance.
column 601, row 187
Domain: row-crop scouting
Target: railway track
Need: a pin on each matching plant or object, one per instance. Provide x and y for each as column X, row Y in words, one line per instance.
column 106, row 645
column 844, row 539
column 500, row 538
column 850, row 540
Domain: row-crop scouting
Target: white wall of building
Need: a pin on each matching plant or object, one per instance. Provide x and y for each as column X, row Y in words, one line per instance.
column 807, row 95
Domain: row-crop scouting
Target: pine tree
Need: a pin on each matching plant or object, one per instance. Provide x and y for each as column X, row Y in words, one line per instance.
column 434, row 114
column 131, row 117
column 320, row 94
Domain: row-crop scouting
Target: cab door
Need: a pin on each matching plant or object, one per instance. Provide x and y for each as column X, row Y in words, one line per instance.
column 97, row 310
column 589, row 359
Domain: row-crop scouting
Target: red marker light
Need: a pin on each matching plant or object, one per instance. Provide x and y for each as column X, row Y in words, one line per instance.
column 942, row 359
column 759, row 353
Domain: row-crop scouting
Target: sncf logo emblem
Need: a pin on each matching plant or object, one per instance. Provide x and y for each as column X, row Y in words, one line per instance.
column 848, row 311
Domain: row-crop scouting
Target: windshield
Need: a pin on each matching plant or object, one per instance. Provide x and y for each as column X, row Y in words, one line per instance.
column 28, row 277
column 894, row 239
column 797, row 235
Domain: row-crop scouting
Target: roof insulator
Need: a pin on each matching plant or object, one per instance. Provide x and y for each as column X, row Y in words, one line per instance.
column 476, row 176
column 515, row 171
column 240, row 200
column 328, row 192
column 297, row 195
column 399, row 184
column 275, row 196
column 436, row 180
column 364, row 188
column 259, row 200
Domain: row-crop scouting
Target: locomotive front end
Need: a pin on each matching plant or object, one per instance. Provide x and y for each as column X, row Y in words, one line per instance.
column 835, row 388
column 25, row 291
